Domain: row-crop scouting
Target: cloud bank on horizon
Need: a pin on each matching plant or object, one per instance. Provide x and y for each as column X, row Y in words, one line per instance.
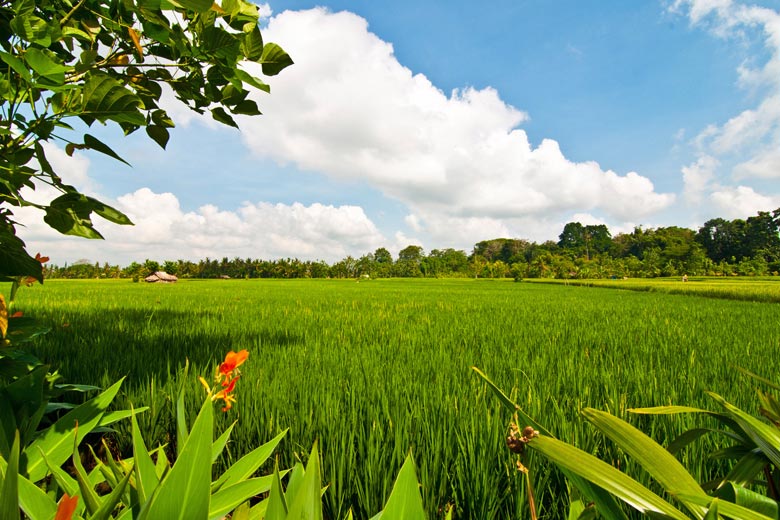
column 460, row 163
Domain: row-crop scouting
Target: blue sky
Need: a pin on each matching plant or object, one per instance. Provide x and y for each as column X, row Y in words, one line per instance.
column 439, row 124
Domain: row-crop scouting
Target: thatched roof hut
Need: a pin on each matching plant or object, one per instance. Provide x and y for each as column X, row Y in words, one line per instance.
column 161, row 277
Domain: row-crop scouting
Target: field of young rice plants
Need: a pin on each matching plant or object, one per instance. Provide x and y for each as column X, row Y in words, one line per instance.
column 374, row 369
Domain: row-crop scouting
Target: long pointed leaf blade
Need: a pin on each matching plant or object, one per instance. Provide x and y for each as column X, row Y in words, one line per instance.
column 654, row 458
column 405, row 501
column 9, row 489
column 277, row 505
column 766, row 437
column 307, row 503
column 606, row 477
column 184, row 492
column 249, row 463
column 145, row 473
column 228, row 498
column 726, row 508
column 512, row 406
column 55, row 442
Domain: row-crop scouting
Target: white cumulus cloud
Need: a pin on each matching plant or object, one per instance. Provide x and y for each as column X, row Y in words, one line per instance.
column 350, row 110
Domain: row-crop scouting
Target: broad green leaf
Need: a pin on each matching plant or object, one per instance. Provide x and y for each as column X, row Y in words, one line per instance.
column 249, row 463
column 712, row 511
column 654, row 458
column 307, row 502
column 55, row 441
column 46, row 64
column 33, row 500
column 104, row 98
column 108, row 503
column 93, row 143
column 605, row 476
column 184, row 492
column 246, row 107
column 223, row 117
column 274, row 59
column 252, row 45
column 747, row 468
column 219, row 444
column 667, row 410
column 405, row 501
column 230, row 497
column 145, row 472
column 726, row 509
column 766, row 437
column 159, row 134
column 199, row 6
column 9, row 487
column 32, row 28
column 14, row 259
column 17, row 65
column 277, row 505
column 750, row 499
column 251, row 80
column 110, row 418
column 86, row 489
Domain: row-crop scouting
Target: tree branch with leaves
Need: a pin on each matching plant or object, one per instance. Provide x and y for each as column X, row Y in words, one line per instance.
column 108, row 61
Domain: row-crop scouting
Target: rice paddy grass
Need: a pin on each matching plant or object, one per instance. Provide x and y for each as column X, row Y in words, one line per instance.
column 380, row 367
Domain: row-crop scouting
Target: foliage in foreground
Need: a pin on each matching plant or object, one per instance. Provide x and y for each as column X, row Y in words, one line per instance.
column 755, row 450
column 43, row 476
column 110, row 62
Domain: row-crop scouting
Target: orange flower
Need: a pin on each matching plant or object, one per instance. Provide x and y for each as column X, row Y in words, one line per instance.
column 66, row 507
column 41, row 259
column 227, row 375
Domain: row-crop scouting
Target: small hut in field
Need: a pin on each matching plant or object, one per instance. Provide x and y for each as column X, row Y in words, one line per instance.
column 161, row 277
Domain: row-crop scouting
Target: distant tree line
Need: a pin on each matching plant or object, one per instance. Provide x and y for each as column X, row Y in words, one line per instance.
column 720, row 247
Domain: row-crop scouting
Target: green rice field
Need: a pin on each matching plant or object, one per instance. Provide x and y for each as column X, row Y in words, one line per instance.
column 377, row 368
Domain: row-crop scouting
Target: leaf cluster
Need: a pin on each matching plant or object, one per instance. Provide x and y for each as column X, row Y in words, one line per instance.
column 110, row 61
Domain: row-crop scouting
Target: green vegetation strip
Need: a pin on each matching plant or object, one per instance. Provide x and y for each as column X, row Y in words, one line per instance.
column 377, row 368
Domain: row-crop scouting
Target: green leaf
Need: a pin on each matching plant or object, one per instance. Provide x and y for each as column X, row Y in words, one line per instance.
column 17, row 65
column 220, row 115
column 277, row 505
column 605, row 476
column 246, row 107
column 93, row 143
column 199, row 6
column 656, row 460
column 184, row 492
column 766, row 437
column 250, row 462
column 307, row 502
column 159, row 134
column 55, row 441
column 32, row 28
column 108, row 504
column 110, row 418
column 727, row 509
column 746, row 469
column 32, row 500
column 87, row 491
column 750, row 499
column 230, row 497
column 9, row 487
column 145, row 473
column 274, row 59
column 104, row 98
column 219, row 444
column 14, row 260
column 405, row 501
column 526, row 419
column 46, row 64
column 252, row 45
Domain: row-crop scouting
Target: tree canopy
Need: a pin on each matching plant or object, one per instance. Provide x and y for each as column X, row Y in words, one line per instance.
column 67, row 64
